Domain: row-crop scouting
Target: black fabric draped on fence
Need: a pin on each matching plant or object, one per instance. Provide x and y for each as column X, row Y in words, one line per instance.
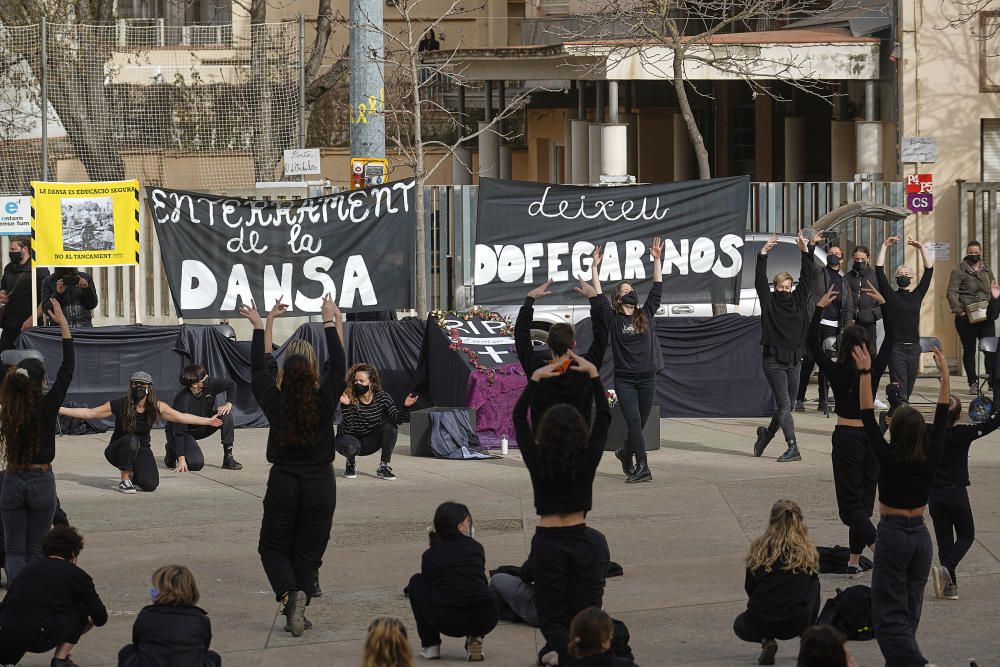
column 711, row 367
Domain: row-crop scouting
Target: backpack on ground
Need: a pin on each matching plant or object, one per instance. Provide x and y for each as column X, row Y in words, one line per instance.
column 850, row 611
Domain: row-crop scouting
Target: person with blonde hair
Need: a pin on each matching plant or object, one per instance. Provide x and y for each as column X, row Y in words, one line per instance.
column 171, row 630
column 590, row 634
column 387, row 644
column 782, row 582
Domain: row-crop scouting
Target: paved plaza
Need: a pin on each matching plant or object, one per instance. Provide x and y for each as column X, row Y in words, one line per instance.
column 681, row 541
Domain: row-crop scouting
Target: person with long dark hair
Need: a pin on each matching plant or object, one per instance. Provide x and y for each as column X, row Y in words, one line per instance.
column 301, row 491
column 637, row 358
column 450, row 595
column 28, row 420
column 198, row 397
column 562, row 454
column 855, row 466
column 783, row 322
column 135, row 415
column 907, row 465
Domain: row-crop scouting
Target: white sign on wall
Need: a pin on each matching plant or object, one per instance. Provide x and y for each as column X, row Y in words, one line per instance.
column 938, row 252
column 15, row 216
column 919, row 149
column 302, row 161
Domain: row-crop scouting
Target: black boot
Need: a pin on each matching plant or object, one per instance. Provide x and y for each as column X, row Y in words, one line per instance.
column 791, row 454
column 641, row 474
column 317, row 592
column 228, row 462
column 763, row 438
column 625, row 457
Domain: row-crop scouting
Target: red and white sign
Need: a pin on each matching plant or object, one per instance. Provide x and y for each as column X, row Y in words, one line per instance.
column 920, row 192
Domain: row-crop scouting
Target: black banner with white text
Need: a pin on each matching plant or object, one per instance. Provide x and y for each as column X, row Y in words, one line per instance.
column 221, row 252
column 527, row 233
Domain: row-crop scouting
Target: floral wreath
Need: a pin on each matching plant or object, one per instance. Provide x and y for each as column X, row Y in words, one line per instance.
column 456, row 344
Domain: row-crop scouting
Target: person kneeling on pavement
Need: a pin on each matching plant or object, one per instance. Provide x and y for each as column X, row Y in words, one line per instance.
column 199, row 398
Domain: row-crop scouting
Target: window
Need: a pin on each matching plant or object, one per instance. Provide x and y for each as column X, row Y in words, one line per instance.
column 990, row 151
column 989, row 51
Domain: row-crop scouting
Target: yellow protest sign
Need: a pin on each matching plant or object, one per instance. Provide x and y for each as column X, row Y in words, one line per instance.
column 85, row 224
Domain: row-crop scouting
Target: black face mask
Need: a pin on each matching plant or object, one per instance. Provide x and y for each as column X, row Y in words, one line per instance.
column 139, row 393
column 782, row 296
column 360, row 389
column 903, row 281
column 15, row 257
column 832, row 261
column 629, row 299
column 858, row 267
column 973, row 259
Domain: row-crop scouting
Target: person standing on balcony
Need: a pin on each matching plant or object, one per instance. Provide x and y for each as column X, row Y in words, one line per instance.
column 969, row 284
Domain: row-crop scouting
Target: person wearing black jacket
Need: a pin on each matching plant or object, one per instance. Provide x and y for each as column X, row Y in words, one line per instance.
column 450, row 595
column 301, row 491
column 903, row 306
column 75, row 292
column 51, row 605
column 784, row 319
column 15, row 292
column 172, row 630
column 858, row 308
column 570, row 388
column 199, row 398
column 28, row 421
column 830, row 325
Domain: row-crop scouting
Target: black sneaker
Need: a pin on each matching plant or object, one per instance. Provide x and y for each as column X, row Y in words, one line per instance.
column 64, row 662
column 800, row 406
column 768, row 649
column 229, row 463
column 854, row 572
column 384, row 472
column 763, row 438
column 349, row 471
column 626, row 460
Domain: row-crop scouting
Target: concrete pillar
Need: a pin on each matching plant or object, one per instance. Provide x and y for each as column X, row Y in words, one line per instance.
column 594, row 155
column 869, row 100
column 613, row 102
column 795, row 148
column 504, row 155
column 632, row 120
column 461, row 166
column 843, row 150
column 580, row 139
column 614, row 151
column 488, row 153
column 869, row 150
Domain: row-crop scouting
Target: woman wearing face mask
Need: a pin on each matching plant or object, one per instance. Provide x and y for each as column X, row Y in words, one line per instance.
column 637, row 359
column 370, row 420
column 859, row 309
column 135, row 416
column 450, row 595
column 969, row 283
column 783, row 322
column 903, row 306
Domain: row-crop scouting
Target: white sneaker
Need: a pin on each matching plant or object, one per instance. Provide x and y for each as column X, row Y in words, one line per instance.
column 126, row 486
column 474, row 649
column 881, row 405
column 550, row 659
column 431, row 652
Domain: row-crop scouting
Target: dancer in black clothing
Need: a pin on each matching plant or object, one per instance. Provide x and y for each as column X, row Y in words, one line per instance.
column 51, row 605
column 450, row 595
column 135, row 416
column 784, row 319
column 830, row 325
column 570, row 388
column 903, row 306
column 171, row 630
column 907, row 466
column 199, row 398
column 782, row 582
column 637, row 358
column 301, row 491
column 562, row 455
column 591, row 633
column 28, row 422
column 370, row 420
column 949, row 506
column 858, row 308
column 855, row 466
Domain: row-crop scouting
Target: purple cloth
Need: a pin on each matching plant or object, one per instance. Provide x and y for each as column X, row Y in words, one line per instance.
column 494, row 403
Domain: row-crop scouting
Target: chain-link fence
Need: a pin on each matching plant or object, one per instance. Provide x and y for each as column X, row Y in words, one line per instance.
column 198, row 107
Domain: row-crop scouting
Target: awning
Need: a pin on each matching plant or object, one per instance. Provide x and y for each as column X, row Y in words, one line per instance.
column 861, row 17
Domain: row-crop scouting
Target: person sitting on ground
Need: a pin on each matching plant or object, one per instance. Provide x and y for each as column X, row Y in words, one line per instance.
column 135, row 415
column 782, row 582
column 75, row 292
column 370, row 420
column 591, row 633
column 51, row 604
column 387, row 644
column 199, row 398
column 171, row 630
column 823, row 646
column 450, row 595
column 570, row 388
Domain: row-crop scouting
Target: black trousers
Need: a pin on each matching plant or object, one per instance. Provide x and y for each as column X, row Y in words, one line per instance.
column 855, row 478
column 130, row 656
column 808, row 362
column 62, row 628
column 434, row 620
column 8, row 337
column 751, row 629
column 902, row 563
column 635, row 397
column 186, row 442
column 970, row 335
column 904, row 361
column 954, row 528
column 381, row 439
column 298, row 515
column 567, row 564
column 132, row 453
